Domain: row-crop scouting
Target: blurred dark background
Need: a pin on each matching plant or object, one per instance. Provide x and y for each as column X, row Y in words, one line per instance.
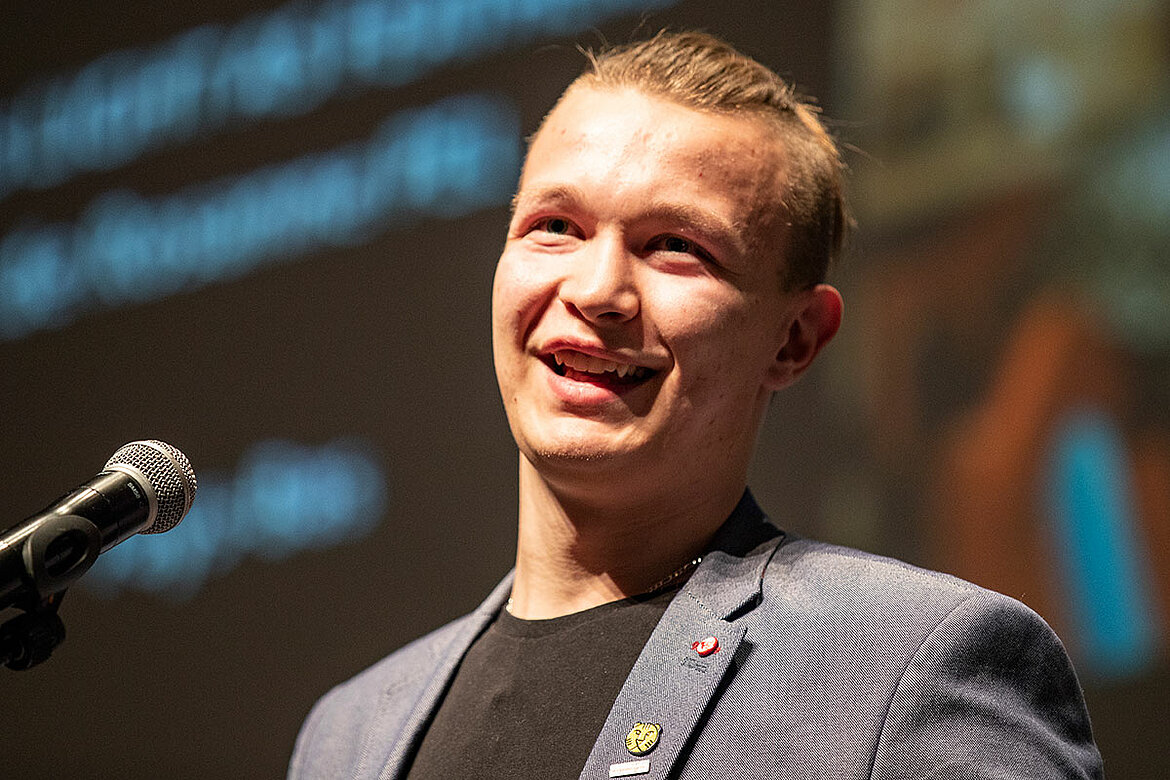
column 265, row 233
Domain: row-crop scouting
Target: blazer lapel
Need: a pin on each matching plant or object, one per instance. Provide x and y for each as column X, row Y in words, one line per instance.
column 404, row 743
column 672, row 683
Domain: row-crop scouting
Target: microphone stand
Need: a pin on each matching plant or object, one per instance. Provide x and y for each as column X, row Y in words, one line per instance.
column 54, row 552
column 31, row 637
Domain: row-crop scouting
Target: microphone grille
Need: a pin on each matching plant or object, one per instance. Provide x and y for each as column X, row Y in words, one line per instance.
column 170, row 475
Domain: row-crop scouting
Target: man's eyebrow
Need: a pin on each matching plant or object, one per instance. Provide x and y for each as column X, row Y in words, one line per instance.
column 705, row 222
column 553, row 195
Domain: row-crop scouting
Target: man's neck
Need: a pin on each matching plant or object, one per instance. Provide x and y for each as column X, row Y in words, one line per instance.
column 575, row 553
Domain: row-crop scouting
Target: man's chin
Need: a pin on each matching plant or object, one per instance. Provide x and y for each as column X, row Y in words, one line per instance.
column 573, row 453
column 590, row 473
column 581, row 453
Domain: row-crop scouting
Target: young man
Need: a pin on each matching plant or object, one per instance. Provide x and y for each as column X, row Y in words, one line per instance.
column 662, row 278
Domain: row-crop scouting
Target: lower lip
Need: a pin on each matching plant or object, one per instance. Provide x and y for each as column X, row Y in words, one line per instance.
column 587, row 390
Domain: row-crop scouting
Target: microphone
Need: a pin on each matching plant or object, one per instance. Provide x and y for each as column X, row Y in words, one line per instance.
column 145, row 487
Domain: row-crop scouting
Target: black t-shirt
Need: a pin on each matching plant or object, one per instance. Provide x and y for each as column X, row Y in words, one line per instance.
column 531, row 695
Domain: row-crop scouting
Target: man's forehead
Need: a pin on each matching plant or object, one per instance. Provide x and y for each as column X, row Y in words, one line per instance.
column 617, row 121
column 602, row 105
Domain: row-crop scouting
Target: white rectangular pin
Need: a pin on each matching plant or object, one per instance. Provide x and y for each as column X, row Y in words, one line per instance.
column 630, row 768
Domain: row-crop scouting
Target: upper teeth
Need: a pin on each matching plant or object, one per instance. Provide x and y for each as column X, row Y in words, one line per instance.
column 595, row 365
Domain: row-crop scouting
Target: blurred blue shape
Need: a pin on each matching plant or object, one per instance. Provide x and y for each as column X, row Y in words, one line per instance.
column 284, row 498
column 1043, row 96
column 1100, row 550
column 284, row 62
column 450, row 158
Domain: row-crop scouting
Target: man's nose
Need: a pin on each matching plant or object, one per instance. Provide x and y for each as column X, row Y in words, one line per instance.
column 600, row 285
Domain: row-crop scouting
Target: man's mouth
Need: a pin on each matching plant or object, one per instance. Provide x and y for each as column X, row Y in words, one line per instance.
column 586, row 368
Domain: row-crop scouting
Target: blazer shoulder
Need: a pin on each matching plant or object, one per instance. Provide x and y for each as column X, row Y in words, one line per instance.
column 838, row 593
column 831, row 574
column 902, row 610
column 991, row 686
column 340, row 718
column 972, row 678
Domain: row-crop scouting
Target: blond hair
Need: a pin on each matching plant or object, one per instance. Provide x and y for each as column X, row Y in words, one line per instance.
column 701, row 71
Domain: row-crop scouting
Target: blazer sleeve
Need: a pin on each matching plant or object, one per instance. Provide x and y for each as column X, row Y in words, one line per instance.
column 990, row 693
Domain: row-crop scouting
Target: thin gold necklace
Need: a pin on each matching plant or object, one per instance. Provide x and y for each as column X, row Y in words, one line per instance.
column 662, row 583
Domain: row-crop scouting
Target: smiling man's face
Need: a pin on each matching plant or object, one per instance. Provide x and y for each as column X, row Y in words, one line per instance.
column 638, row 308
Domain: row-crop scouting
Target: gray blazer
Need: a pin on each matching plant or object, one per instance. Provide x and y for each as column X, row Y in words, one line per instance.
column 832, row 663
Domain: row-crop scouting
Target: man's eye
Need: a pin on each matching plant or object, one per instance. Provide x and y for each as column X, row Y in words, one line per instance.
column 558, row 225
column 678, row 245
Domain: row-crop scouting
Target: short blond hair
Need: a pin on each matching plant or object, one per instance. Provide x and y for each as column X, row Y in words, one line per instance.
column 701, row 71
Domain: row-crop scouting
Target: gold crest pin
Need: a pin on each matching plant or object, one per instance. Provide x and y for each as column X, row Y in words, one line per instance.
column 643, row 738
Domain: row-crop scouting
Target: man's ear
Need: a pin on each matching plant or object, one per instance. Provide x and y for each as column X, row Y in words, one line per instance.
column 814, row 325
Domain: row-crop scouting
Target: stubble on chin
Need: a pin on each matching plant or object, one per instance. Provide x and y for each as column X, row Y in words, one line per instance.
column 565, row 454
